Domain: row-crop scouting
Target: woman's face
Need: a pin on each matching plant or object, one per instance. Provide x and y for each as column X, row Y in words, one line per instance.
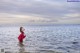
column 23, row 29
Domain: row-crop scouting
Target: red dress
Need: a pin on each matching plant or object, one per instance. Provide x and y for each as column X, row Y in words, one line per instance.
column 21, row 37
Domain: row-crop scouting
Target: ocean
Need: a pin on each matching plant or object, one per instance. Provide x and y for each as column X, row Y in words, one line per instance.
column 41, row 39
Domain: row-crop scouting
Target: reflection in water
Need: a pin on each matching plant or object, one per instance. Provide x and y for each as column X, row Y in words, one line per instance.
column 21, row 49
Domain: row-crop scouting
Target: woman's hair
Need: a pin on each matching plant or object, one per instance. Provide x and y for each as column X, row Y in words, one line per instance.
column 21, row 29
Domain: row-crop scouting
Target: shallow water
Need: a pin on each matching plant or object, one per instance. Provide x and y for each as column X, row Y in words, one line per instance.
column 41, row 39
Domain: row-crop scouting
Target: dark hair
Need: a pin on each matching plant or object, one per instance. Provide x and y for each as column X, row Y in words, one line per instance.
column 21, row 29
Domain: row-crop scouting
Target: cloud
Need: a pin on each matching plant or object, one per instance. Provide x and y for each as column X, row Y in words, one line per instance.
column 18, row 18
column 39, row 11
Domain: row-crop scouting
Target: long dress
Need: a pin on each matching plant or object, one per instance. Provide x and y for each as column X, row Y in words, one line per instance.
column 21, row 37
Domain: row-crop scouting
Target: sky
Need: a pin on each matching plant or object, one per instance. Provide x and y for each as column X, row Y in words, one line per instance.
column 39, row 12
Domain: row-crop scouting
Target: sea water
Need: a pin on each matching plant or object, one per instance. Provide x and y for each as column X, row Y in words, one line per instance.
column 41, row 39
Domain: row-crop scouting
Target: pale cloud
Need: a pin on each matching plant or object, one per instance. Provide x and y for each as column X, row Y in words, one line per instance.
column 39, row 11
column 18, row 18
column 73, row 15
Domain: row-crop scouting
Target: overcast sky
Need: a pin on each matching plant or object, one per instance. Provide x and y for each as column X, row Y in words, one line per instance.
column 39, row 12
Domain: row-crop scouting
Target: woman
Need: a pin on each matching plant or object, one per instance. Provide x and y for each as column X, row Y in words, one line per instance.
column 21, row 36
